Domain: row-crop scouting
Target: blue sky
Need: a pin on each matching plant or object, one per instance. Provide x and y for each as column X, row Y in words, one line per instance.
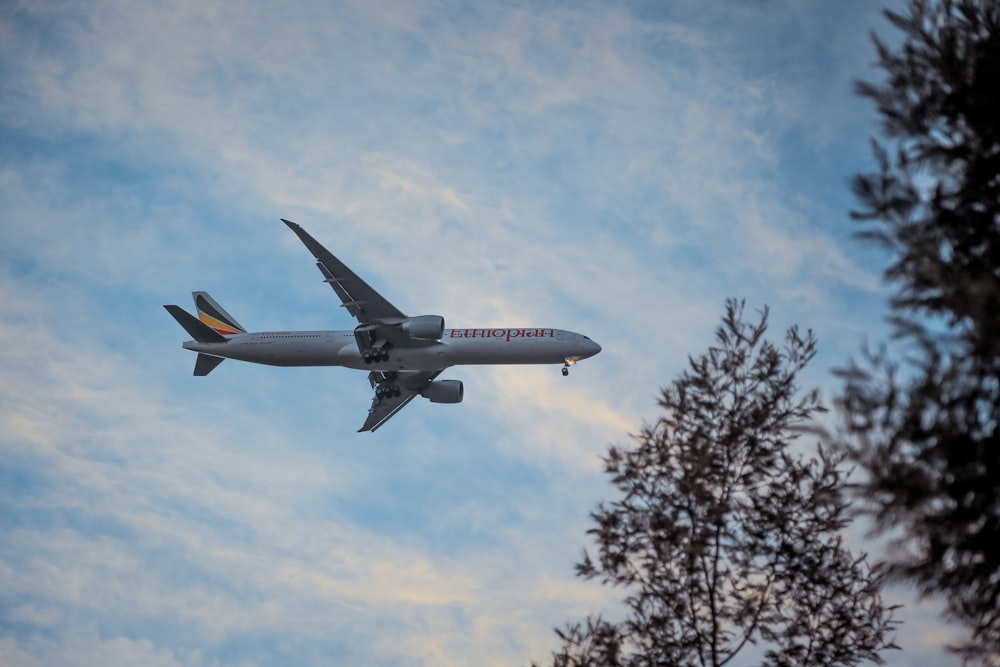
column 617, row 169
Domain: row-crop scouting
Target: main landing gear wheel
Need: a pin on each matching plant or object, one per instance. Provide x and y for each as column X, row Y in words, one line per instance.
column 380, row 354
column 385, row 391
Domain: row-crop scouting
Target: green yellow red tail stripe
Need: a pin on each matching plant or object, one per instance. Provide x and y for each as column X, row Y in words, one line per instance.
column 214, row 316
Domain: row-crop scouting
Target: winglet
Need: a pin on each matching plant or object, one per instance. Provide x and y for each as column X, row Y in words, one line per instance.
column 198, row 330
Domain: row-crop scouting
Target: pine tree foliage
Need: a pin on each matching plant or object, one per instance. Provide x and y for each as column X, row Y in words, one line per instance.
column 923, row 422
column 725, row 540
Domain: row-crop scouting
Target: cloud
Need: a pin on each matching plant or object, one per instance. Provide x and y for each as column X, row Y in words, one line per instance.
column 613, row 172
column 203, row 527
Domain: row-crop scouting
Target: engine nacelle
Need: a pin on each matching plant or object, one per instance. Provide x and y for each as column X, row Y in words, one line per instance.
column 425, row 327
column 444, row 391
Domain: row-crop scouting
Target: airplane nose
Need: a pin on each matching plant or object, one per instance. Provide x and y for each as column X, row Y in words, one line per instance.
column 591, row 347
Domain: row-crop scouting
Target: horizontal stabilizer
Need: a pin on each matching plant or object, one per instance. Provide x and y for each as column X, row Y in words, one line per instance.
column 198, row 330
column 206, row 363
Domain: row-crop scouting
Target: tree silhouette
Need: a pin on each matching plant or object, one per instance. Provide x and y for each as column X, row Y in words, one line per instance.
column 724, row 539
column 923, row 429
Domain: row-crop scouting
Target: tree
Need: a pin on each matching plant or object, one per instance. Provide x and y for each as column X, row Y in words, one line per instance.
column 923, row 429
column 723, row 537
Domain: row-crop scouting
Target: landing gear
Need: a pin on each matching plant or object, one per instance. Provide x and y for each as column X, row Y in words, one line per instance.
column 570, row 361
column 387, row 391
column 376, row 354
column 565, row 371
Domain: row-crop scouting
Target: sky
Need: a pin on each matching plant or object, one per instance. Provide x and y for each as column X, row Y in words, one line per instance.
column 613, row 168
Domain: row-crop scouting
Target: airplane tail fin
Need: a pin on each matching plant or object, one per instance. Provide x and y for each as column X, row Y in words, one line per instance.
column 215, row 316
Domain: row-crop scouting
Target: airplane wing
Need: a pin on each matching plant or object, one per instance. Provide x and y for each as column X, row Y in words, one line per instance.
column 392, row 392
column 360, row 299
column 379, row 327
column 382, row 410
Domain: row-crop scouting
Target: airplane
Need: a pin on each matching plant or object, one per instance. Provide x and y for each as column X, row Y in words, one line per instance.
column 404, row 355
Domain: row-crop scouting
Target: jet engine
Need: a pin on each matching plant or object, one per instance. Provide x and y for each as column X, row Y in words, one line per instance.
column 425, row 327
column 444, row 391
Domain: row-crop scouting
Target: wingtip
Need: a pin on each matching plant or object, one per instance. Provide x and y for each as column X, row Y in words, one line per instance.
column 289, row 223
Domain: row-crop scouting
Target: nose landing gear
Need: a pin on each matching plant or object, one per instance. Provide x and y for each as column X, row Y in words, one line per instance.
column 570, row 361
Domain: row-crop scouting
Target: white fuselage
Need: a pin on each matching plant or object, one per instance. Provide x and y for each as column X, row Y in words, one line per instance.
column 498, row 345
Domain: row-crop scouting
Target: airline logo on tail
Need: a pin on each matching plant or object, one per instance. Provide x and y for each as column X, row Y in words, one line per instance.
column 215, row 316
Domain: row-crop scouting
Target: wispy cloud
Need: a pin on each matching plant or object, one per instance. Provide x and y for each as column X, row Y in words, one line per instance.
column 589, row 167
